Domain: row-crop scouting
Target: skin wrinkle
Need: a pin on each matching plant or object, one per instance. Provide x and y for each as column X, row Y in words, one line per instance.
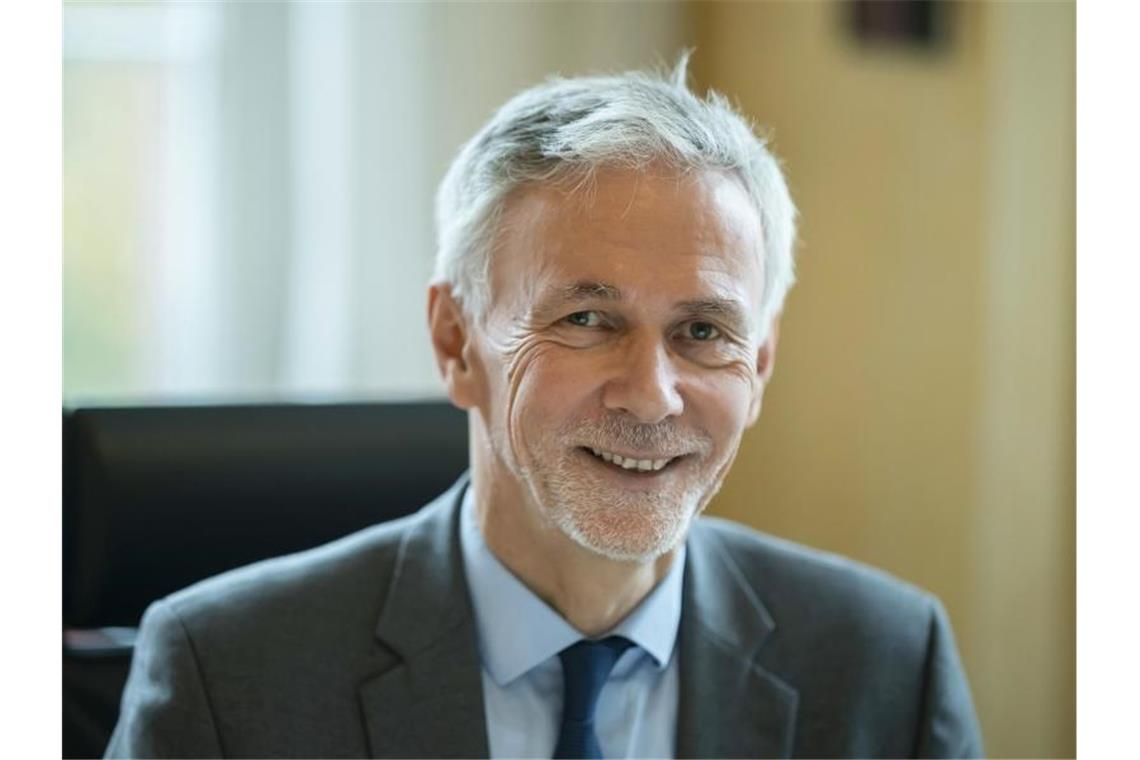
column 517, row 347
column 679, row 249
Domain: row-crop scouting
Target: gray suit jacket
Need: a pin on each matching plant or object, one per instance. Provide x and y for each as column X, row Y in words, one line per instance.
column 367, row 647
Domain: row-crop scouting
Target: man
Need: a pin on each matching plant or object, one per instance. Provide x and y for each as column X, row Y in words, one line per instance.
column 613, row 258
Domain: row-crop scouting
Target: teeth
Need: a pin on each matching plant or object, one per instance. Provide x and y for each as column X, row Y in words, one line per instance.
column 641, row 465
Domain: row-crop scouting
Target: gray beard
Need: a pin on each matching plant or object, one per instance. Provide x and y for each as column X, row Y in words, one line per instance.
column 629, row 526
column 632, row 526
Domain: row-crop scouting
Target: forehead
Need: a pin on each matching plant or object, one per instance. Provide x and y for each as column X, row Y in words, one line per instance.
column 652, row 234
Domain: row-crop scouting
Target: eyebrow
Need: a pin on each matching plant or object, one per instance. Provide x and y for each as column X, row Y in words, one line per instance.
column 581, row 291
column 728, row 310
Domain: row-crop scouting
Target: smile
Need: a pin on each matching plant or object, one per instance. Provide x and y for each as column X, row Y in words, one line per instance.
column 630, row 463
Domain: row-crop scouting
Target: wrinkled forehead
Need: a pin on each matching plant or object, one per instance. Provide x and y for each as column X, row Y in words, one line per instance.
column 690, row 235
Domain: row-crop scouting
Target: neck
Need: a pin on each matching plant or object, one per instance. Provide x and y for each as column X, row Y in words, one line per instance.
column 592, row 592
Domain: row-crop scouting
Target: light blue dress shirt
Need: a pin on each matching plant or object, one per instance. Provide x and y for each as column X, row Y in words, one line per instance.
column 520, row 637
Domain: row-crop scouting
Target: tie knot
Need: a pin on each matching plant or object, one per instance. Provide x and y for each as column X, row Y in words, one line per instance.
column 585, row 668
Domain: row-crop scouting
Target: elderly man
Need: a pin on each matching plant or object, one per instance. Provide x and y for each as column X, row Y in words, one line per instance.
column 613, row 258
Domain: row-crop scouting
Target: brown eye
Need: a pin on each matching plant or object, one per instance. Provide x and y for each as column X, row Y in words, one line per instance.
column 703, row 331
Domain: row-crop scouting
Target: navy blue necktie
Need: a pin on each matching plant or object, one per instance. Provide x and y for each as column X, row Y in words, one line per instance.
column 585, row 668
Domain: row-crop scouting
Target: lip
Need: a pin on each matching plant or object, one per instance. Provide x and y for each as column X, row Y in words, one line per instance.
column 632, row 455
column 633, row 474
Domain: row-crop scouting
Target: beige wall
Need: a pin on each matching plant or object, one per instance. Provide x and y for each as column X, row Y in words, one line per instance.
column 922, row 413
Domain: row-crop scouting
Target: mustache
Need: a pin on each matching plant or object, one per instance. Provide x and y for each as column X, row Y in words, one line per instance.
column 619, row 432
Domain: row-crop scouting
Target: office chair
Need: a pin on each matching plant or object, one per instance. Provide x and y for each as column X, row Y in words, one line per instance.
column 156, row 498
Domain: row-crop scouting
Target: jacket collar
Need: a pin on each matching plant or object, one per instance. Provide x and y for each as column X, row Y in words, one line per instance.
column 729, row 705
column 431, row 704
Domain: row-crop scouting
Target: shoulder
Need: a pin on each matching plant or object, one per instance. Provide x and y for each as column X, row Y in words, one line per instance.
column 316, row 588
column 262, row 633
column 812, row 590
column 223, row 660
column 872, row 657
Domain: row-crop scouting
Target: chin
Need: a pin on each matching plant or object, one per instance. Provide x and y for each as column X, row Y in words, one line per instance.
column 635, row 547
column 624, row 526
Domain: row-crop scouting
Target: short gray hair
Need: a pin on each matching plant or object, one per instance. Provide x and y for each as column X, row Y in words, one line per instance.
column 566, row 128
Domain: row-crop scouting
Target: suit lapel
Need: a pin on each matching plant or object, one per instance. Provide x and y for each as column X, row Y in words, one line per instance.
column 431, row 704
column 729, row 706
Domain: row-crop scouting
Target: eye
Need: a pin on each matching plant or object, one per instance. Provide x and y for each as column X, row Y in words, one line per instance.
column 702, row 331
column 585, row 319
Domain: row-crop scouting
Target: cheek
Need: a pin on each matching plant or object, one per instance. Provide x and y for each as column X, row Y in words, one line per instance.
column 720, row 402
column 546, row 384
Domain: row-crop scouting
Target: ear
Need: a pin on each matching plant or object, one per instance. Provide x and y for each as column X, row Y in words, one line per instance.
column 451, row 341
column 765, row 364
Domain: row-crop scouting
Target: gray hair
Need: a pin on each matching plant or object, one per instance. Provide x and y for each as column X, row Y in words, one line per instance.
column 565, row 129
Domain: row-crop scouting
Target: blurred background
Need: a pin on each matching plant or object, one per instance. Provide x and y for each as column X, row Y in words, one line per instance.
column 247, row 216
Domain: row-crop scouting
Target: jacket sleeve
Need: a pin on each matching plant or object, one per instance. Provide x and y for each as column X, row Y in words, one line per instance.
column 165, row 710
column 949, row 726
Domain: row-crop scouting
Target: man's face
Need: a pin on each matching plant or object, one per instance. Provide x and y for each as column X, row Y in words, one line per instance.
column 620, row 353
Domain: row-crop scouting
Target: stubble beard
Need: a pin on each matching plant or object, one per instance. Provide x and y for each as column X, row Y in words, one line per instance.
column 622, row 525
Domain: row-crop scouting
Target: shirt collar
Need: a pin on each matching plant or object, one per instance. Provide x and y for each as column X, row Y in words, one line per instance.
column 501, row 601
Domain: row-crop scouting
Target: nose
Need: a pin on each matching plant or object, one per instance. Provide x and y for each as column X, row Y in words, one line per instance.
column 644, row 381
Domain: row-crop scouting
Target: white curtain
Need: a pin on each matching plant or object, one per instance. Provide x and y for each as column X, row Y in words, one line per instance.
column 301, row 148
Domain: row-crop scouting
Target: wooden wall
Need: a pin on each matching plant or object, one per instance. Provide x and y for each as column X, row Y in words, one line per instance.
column 921, row 417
